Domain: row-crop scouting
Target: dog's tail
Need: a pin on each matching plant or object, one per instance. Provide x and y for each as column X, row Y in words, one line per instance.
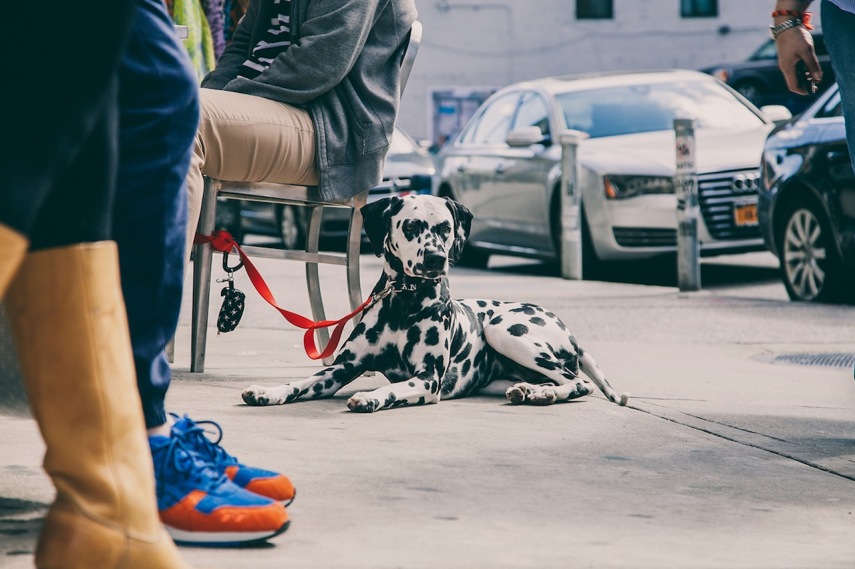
column 591, row 369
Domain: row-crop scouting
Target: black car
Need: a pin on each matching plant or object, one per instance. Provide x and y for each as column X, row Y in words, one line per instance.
column 759, row 79
column 806, row 207
column 409, row 169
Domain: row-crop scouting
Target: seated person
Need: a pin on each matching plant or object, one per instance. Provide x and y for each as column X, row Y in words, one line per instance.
column 306, row 93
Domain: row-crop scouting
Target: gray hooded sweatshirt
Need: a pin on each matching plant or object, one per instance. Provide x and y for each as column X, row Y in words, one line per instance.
column 343, row 67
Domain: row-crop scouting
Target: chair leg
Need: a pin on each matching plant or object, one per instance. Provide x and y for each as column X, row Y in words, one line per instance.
column 313, row 281
column 202, row 260
column 354, row 245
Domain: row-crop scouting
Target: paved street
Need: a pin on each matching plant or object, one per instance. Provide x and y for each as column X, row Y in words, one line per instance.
column 727, row 456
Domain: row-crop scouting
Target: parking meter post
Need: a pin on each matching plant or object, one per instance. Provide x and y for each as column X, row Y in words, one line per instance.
column 571, row 230
column 686, row 188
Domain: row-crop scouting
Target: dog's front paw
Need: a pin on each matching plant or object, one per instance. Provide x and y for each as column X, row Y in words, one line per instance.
column 362, row 403
column 258, row 396
column 518, row 393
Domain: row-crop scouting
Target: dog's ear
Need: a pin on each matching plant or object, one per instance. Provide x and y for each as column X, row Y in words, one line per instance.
column 462, row 223
column 375, row 220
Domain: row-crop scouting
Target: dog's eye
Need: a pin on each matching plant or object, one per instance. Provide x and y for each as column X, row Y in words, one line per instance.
column 412, row 228
column 443, row 229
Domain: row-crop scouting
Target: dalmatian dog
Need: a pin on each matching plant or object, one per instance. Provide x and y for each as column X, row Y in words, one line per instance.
column 431, row 347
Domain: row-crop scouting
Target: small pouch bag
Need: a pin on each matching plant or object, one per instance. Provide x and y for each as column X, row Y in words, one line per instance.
column 233, row 301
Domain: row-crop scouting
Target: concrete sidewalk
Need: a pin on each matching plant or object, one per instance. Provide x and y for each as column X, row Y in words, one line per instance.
column 725, row 457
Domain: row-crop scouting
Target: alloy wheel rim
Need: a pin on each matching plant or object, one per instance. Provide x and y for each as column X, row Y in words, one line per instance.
column 804, row 254
column 288, row 227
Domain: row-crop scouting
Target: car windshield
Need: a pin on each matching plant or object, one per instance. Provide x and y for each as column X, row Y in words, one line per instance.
column 631, row 109
column 766, row 51
column 402, row 143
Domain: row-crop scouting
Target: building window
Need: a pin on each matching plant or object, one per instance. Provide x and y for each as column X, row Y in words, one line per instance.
column 594, row 9
column 699, row 8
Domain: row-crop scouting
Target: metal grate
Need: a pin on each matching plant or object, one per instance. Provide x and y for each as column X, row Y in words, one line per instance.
column 718, row 193
column 834, row 359
column 645, row 237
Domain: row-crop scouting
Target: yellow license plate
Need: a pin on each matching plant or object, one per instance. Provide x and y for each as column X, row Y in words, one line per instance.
column 745, row 214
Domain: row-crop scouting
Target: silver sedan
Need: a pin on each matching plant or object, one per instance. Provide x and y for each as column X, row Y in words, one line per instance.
column 504, row 165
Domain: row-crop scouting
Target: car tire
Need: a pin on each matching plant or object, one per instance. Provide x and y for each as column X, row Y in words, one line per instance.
column 809, row 263
column 292, row 227
column 592, row 266
column 228, row 218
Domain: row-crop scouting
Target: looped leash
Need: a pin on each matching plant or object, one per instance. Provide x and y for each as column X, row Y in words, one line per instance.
column 223, row 241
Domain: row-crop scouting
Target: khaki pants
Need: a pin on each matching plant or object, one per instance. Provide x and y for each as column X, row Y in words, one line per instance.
column 243, row 138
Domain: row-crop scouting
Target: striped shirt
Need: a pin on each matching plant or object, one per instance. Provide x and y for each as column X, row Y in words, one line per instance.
column 274, row 41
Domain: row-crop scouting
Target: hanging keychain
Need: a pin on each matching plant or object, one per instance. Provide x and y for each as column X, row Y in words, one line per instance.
column 233, row 301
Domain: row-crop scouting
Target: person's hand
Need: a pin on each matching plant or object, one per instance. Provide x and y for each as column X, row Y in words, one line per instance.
column 796, row 45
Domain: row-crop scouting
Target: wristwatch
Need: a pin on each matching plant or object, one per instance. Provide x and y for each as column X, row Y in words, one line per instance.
column 775, row 31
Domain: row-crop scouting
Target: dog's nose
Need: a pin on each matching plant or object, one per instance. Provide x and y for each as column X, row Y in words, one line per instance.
column 434, row 261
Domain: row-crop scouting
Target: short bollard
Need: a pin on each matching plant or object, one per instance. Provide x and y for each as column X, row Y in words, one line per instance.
column 686, row 188
column 571, row 230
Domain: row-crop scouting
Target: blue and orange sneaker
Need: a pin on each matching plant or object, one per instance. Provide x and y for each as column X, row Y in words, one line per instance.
column 200, row 506
column 263, row 482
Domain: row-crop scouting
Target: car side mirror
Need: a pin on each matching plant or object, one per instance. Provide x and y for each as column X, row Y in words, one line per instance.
column 776, row 113
column 526, row 136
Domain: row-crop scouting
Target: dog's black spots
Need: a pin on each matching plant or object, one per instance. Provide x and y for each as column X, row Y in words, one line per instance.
column 551, row 315
column 441, row 229
column 449, row 380
column 432, row 336
column 390, row 399
column 496, row 303
column 518, row 330
column 421, row 401
column 328, row 383
column 410, row 263
column 439, row 366
column 464, row 353
column 537, row 345
column 527, row 309
column 482, row 304
column 346, row 355
column 413, row 228
column 537, row 321
column 496, row 320
column 434, row 386
column 467, row 365
column 318, row 387
column 545, row 361
column 411, row 383
column 426, row 385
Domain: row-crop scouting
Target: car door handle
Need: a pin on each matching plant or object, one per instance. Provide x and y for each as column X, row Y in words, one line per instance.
column 500, row 168
column 461, row 168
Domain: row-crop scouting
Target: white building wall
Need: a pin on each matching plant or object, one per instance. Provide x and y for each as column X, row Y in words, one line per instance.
column 473, row 44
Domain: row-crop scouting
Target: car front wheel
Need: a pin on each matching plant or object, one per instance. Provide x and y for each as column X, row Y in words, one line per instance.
column 292, row 227
column 810, row 267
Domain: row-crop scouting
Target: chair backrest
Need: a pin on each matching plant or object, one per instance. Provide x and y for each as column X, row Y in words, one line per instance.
column 410, row 53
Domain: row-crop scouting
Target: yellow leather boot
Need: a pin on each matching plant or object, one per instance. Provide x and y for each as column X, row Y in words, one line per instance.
column 13, row 246
column 70, row 327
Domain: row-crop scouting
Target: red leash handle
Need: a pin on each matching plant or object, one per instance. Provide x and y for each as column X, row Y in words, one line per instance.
column 223, row 241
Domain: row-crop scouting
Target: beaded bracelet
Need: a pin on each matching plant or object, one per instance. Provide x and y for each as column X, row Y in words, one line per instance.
column 803, row 16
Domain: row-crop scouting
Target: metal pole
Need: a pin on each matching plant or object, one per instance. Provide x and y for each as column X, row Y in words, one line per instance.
column 571, row 230
column 686, row 188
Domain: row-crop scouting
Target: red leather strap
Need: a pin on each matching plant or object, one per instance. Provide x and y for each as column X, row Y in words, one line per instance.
column 222, row 241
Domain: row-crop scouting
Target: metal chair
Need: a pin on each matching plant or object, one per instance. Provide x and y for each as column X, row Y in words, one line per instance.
column 306, row 196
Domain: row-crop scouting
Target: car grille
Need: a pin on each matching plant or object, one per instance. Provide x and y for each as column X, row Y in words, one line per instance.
column 645, row 237
column 717, row 195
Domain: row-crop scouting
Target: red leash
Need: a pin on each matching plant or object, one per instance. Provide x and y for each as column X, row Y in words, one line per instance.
column 224, row 242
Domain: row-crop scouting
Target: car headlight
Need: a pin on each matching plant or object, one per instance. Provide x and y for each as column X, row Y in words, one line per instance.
column 622, row 187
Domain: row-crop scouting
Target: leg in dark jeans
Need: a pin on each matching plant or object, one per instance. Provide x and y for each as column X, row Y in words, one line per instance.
column 159, row 115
